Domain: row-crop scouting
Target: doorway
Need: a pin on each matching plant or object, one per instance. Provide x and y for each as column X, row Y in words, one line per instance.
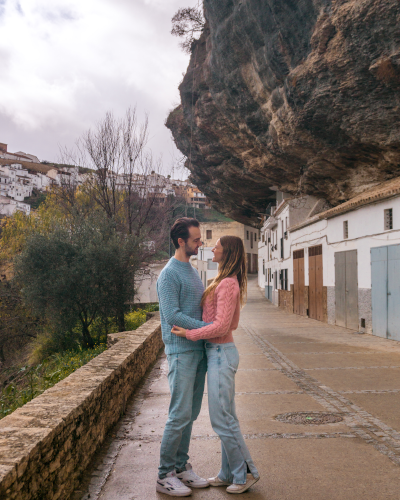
column 298, row 282
column 385, row 276
column 346, row 289
column 315, row 273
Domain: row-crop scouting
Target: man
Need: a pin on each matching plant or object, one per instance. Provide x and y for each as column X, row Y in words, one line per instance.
column 180, row 289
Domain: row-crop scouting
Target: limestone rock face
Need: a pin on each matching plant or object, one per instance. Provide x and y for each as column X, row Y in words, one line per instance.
column 300, row 95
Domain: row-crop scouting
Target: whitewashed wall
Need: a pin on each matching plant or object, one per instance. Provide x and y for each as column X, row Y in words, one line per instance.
column 365, row 231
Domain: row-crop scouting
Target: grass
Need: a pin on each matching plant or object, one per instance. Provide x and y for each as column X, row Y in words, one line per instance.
column 31, row 381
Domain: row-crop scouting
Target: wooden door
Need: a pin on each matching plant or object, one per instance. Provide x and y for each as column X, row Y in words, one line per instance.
column 379, row 278
column 352, row 321
column 346, row 289
column 315, row 305
column 248, row 262
column 385, row 263
column 393, row 293
column 255, row 263
column 340, row 288
column 298, row 282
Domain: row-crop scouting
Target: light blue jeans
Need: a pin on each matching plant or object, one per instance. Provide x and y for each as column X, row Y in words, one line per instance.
column 222, row 365
column 186, row 378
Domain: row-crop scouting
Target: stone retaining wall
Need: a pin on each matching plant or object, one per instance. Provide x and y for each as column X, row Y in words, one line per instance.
column 47, row 444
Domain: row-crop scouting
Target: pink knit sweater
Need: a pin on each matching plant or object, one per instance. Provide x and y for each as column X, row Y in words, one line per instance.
column 223, row 309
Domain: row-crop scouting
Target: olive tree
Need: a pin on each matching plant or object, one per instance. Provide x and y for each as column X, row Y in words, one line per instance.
column 78, row 272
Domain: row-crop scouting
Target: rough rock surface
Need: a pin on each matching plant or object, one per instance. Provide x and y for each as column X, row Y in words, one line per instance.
column 298, row 94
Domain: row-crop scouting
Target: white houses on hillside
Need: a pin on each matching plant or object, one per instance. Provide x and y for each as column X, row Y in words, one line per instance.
column 340, row 265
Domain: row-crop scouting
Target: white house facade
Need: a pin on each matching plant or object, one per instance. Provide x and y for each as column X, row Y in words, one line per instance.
column 211, row 232
column 341, row 265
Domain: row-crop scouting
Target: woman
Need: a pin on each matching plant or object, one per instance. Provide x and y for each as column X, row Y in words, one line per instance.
column 221, row 305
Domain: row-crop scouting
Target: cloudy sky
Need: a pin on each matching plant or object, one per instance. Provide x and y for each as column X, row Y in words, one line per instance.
column 65, row 63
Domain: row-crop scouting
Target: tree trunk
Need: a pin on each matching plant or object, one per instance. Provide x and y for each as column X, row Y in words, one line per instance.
column 121, row 319
column 87, row 339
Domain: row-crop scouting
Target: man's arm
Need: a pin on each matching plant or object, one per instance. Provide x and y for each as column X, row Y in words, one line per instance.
column 168, row 295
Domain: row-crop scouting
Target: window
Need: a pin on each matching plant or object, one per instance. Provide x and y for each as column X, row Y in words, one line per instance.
column 247, row 234
column 209, row 234
column 345, row 229
column 283, row 274
column 263, row 239
column 212, row 265
column 251, row 240
column 263, row 266
column 388, row 213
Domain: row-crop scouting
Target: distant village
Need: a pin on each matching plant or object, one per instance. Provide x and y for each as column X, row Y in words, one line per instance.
column 22, row 173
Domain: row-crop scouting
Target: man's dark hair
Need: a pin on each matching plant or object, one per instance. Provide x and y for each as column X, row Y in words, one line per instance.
column 180, row 229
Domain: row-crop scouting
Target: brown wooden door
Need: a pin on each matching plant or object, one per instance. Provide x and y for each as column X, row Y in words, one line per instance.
column 298, row 282
column 255, row 263
column 315, row 290
column 249, row 270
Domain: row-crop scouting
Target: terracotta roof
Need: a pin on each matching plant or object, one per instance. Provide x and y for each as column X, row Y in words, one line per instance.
column 380, row 192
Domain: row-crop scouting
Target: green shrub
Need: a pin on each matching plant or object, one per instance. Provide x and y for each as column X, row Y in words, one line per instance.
column 135, row 319
column 32, row 381
column 62, row 357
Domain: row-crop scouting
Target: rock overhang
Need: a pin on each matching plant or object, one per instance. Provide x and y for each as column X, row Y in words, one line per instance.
column 301, row 96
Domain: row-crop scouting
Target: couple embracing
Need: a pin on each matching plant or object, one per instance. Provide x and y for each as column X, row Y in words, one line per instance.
column 197, row 330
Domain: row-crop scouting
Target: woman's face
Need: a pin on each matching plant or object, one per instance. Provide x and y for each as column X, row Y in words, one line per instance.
column 217, row 251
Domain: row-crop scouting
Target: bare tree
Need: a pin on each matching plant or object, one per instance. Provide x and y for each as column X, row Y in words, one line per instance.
column 187, row 23
column 123, row 180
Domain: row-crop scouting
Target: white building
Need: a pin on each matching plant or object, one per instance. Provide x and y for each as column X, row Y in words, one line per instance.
column 211, row 232
column 341, row 265
column 8, row 206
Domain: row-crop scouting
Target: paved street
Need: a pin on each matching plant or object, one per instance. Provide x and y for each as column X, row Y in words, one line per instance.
column 288, row 364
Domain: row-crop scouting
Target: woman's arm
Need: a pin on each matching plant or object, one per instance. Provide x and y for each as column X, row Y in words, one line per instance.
column 226, row 294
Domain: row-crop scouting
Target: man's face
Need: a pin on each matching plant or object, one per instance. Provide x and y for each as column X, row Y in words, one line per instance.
column 194, row 241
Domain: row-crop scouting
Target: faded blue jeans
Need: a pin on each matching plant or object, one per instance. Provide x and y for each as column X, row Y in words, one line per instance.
column 222, row 365
column 186, row 378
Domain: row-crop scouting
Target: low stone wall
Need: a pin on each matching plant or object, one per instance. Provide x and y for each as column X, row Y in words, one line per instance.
column 47, row 444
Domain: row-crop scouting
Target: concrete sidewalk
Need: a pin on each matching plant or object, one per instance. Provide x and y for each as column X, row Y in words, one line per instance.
column 288, row 364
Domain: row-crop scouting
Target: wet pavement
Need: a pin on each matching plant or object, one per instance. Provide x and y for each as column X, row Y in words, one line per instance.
column 288, row 364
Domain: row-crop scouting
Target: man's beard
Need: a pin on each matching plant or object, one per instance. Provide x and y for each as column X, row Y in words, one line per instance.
column 189, row 252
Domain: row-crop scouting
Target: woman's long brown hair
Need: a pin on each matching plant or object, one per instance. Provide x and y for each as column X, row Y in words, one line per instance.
column 233, row 263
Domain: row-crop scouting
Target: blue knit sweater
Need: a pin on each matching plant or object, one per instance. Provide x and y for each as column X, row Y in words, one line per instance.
column 180, row 289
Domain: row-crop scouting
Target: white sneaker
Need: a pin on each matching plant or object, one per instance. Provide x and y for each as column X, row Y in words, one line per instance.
column 216, row 481
column 190, row 478
column 172, row 486
column 241, row 488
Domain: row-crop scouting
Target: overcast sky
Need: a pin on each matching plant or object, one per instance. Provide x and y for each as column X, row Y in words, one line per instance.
column 65, row 63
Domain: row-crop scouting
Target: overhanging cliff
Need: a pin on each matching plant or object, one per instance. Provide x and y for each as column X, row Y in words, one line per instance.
column 302, row 95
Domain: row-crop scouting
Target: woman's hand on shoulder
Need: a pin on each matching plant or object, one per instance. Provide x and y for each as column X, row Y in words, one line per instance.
column 180, row 332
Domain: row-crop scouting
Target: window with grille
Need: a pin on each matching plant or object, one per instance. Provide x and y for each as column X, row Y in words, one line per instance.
column 345, row 229
column 209, row 234
column 388, row 218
